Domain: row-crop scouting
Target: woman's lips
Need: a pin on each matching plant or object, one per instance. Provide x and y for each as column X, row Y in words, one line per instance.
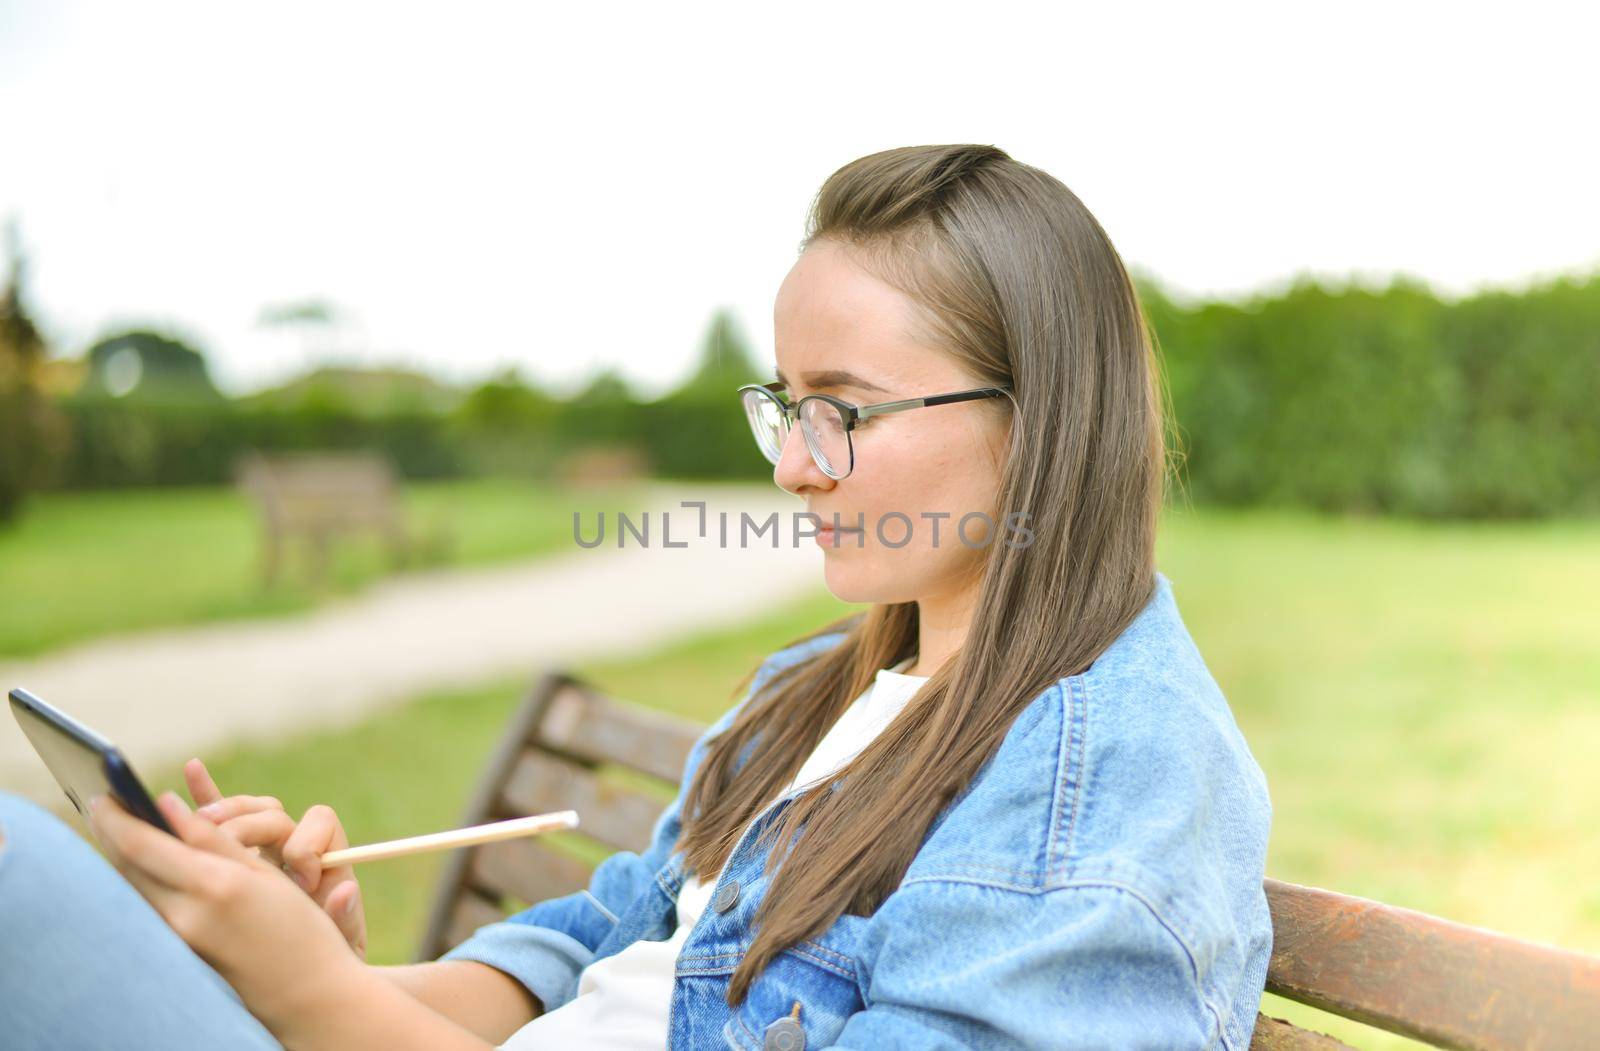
column 827, row 535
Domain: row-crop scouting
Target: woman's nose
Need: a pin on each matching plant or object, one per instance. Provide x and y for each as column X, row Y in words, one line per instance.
column 796, row 467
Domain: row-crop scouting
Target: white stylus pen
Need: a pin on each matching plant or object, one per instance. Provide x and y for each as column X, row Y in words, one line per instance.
column 461, row 837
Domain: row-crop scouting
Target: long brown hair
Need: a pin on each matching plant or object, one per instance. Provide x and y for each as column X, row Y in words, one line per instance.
column 1017, row 281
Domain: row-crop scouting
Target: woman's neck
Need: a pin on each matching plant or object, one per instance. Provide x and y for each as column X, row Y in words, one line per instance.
column 942, row 623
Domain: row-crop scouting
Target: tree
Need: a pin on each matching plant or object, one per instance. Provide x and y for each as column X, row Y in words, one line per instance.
column 33, row 433
column 148, row 366
column 698, row 430
column 725, row 359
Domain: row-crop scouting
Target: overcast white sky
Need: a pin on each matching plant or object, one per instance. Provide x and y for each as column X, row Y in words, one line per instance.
column 482, row 185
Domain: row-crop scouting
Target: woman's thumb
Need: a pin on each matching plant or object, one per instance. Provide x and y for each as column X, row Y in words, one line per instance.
column 344, row 905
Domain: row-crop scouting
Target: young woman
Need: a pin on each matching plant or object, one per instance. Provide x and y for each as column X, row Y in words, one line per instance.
column 1015, row 809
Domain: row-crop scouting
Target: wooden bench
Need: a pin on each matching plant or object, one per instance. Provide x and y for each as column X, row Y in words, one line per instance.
column 319, row 496
column 1443, row 983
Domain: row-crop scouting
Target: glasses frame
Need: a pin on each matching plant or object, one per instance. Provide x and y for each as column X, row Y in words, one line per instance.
column 854, row 414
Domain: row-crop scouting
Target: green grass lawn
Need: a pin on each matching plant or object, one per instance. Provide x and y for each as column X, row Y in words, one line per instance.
column 189, row 555
column 1423, row 701
column 1421, row 697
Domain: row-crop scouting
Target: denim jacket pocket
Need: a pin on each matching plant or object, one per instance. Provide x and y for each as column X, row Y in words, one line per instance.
column 821, row 975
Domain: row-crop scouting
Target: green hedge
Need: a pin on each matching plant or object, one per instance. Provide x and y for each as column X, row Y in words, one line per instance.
column 133, row 443
column 1385, row 400
column 1390, row 400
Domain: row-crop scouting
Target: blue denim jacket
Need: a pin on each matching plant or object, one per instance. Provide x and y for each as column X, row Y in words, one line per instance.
column 1097, row 885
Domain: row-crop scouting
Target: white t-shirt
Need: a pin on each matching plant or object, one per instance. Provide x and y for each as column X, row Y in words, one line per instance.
column 624, row 1001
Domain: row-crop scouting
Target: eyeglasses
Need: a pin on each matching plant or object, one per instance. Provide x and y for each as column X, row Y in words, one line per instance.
column 826, row 421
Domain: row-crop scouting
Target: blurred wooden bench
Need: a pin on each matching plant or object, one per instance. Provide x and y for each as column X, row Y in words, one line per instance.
column 320, row 496
column 1440, row 982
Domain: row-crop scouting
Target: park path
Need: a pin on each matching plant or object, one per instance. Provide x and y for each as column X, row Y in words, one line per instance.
column 166, row 695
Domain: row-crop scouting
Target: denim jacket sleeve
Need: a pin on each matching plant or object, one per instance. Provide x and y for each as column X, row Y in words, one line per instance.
column 1085, row 965
column 547, row 945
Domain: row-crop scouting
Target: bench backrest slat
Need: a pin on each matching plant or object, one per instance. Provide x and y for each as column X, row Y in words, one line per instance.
column 591, row 726
column 1429, row 978
column 621, row 818
column 527, row 871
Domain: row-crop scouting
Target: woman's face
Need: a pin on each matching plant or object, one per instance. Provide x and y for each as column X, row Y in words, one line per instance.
column 841, row 331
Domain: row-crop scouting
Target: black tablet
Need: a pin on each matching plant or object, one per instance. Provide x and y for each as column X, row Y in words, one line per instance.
column 83, row 763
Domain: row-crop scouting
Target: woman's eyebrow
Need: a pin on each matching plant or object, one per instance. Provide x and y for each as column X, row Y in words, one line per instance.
column 835, row 378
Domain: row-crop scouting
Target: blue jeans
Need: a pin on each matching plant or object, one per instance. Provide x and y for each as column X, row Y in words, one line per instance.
column 86, row 963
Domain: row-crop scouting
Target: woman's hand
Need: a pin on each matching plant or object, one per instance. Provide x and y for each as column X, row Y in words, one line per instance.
column 285, row 956
column 260, row 822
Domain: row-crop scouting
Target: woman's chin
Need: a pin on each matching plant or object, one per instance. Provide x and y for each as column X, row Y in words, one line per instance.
column 855, row 583
column 845, row 583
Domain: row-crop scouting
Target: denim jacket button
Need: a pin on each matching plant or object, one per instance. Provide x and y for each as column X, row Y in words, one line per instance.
column 784, row 1035
column 726, row 897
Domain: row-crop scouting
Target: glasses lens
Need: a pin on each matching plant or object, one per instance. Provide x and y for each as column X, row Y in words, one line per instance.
column 767, row 422
column 825, row 432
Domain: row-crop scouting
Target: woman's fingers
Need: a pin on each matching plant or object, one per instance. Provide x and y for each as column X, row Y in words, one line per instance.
column 202, row 789
column 345, row 906
column 252, row 824
column 210, row 803
column 235, row 911
column 265, row 829
column 317, row 833
column 221, row 810
column 140, row 849
column 200, row 833
column 119, row 841
column 336, row 889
